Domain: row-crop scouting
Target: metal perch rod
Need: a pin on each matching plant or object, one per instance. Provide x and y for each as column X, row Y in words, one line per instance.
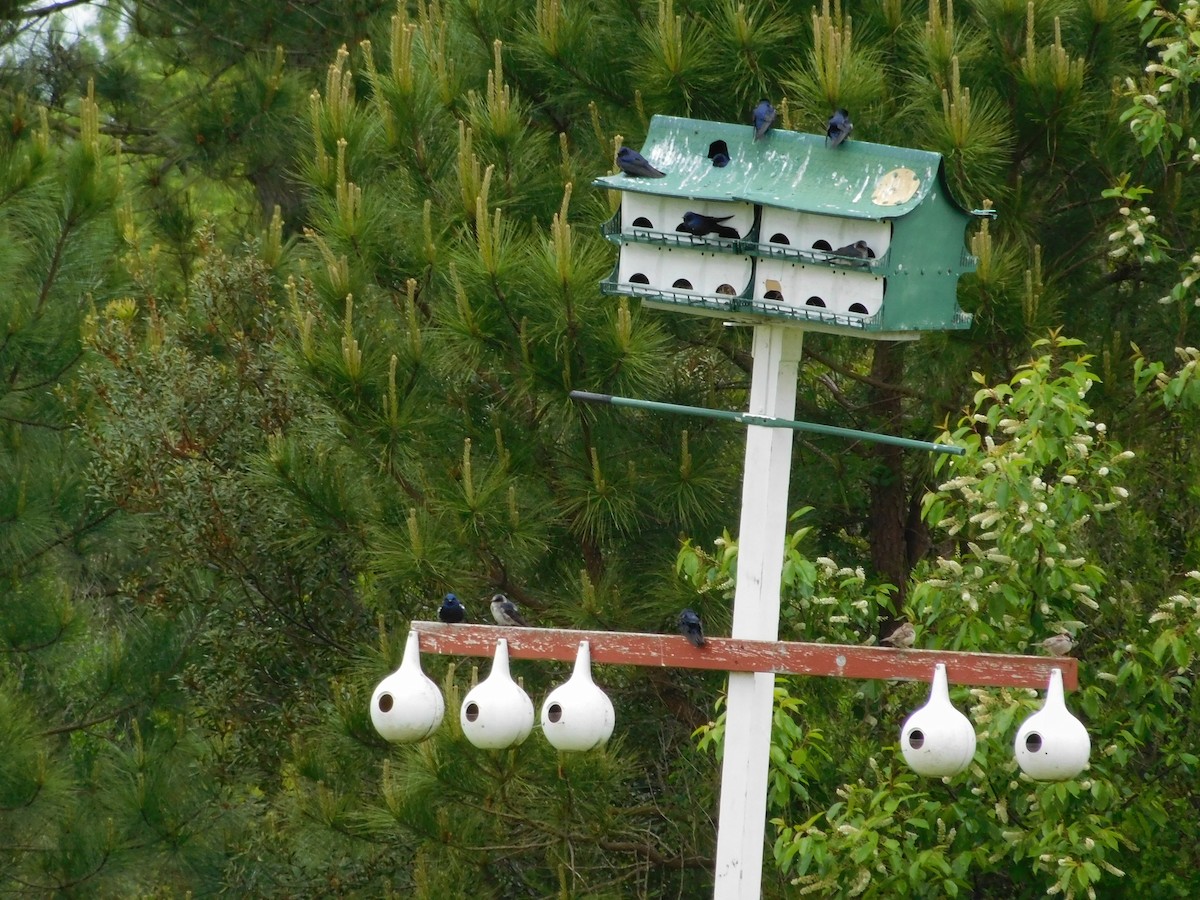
column 767, row 422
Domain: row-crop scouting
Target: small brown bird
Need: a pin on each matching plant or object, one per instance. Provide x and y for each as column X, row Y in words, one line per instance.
column 1058, row 645
column 903, row 637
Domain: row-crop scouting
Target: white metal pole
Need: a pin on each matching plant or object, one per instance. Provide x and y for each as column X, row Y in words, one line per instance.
column 742, row 823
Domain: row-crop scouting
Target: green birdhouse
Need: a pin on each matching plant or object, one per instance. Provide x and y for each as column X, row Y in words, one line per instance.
column 861, row 239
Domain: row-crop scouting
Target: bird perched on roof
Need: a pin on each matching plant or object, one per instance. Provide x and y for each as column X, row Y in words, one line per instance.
column 839, row 128
column 452, row 611
column 1058, row 644
column 690, row 627
column 858, row 249
column 505, row 612
column 700, row 225
column 902, row 637
column 635, row 165
column 764, row 118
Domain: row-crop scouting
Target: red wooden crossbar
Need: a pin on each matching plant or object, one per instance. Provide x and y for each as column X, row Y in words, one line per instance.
column 739, row 655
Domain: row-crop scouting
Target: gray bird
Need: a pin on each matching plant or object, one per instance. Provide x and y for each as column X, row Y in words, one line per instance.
column 838, row 128
column 505, row 612
column 903, row 637
column 690, row 627
column 1058, row 644
column 858, row 249
column 700, row 225
column 635, row 165
column 452, row 611
column 764, row 118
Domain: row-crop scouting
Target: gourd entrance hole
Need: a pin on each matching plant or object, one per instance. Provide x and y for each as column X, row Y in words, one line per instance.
column 554, row 713
column 386, row 702
column 916, row 739
column 472, row 712
column 1033, row 742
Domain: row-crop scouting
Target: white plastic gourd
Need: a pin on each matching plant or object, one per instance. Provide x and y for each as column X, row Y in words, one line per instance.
column 497, row 713
column 937, row 740
column 407, row 706
column 578, row 715
column 1052, row 745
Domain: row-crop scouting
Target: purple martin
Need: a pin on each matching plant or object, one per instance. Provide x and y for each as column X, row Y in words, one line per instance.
column 635, row 165
column 700, row 225
column 504, row 611
column 720, row 160
column 690, row 628
column 902, row 637
column 1058, row 645
column 839, row 128
column 857, row 250
column 452, row 611
column 764, row 118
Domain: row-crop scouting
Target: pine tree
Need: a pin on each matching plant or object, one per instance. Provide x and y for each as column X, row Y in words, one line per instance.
column 306, row 437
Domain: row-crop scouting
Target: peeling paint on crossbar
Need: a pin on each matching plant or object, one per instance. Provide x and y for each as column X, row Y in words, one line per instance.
column 739, row 655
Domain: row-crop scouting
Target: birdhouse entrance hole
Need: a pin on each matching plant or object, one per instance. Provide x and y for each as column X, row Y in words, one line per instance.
column 471, row 712
column 916, row 739
column 815, row 301
column 642, row 222
column 779, row 238
column 817, row 245
column 554, row 712
column 858, row 308
column 638, row 278
column 385, row 702
column 1033, row 742
column 682, row 284
column 717, row 147
column 727, row 289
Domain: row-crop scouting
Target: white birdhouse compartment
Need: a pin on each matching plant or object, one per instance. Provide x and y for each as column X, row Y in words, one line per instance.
column 497, row 713
column 937, row 740
column 691, row 271
column 406, row 705
column 1052, row 745
column 578, row 715
column 654, row 217
column 824, row 293
column 785, row 232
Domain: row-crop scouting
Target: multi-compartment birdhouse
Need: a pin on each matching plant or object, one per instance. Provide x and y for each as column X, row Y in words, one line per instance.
column 757, row 239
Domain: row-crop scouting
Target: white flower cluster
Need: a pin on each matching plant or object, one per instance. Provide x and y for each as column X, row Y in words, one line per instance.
column 1132, row 234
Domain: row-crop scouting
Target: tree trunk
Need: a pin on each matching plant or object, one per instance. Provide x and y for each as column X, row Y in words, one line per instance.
column 888, row 495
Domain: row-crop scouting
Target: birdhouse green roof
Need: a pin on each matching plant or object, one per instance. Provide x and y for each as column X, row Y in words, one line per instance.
column 785, row 169
column 861, row 239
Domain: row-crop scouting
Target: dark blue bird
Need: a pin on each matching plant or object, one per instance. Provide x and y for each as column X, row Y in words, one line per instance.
column 452, row 611
column 839, row 128
column 857, row 250
column 700, row 225
column 635, row 165
column 504, row 611
column 764, row 118
column 690, row 628
column 720, row 160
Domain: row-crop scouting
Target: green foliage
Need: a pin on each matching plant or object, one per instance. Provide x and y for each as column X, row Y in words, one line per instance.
column 1022, row 508
column 224, row 457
